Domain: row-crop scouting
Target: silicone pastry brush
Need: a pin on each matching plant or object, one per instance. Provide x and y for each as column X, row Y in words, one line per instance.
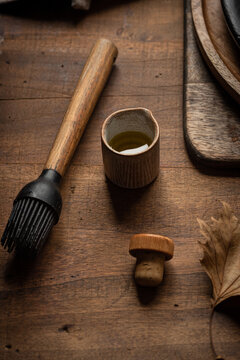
column 38, row 205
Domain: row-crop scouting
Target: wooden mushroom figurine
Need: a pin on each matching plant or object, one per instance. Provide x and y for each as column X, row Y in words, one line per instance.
column 151, row 252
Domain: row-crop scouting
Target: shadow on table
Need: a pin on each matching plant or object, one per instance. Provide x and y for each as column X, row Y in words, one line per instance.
column 124, row 199
column 21, row 266
column 18, row 269
column 230, row 307
column 55, row 10
column 227, row 316
column 207, row 167
column 146, row 294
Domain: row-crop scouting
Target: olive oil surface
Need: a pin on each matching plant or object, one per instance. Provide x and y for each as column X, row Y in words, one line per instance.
column 129, row 142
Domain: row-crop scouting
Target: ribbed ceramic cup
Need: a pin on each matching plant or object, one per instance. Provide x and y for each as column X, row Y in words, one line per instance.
column 131, row 170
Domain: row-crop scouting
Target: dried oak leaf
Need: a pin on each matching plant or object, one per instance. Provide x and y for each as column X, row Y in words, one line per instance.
column 221, row 254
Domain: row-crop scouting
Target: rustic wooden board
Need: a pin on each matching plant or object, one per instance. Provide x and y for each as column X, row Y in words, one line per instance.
column 221, row 38
column 211, row 118
column 79, row 300
column 216, row 44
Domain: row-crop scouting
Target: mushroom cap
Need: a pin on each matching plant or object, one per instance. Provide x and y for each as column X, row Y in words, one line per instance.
column 151, row 242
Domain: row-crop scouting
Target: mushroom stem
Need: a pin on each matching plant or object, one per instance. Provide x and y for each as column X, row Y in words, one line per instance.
column 149, row 268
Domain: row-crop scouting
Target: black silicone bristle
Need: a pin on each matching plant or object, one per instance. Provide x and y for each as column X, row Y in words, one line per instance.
column 28, row 227
column 36, row 209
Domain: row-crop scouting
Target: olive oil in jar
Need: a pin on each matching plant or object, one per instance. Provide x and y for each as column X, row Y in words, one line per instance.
column 130, row 142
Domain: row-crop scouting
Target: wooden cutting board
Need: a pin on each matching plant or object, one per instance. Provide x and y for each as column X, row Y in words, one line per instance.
column 211, row 117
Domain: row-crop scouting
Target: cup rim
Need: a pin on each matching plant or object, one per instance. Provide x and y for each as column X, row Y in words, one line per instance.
column 106, row 121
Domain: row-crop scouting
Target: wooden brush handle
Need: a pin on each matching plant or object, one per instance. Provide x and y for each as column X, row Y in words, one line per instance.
column 89, row 87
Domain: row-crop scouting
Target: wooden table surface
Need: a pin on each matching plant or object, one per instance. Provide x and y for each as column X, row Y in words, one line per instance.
column 78, row 300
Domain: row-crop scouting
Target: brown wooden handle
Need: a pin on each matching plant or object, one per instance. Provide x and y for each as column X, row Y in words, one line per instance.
column 89, row 87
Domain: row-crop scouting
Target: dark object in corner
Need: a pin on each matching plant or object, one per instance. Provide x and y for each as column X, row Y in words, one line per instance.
column 76, row 4
column 231, row 10
column 81, row 4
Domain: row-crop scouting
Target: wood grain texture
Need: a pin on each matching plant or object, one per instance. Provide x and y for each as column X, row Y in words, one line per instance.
column 152, row 242
column 211, row 43
column 221, row 37
column 84, row 276
column 60, row 48
column 90, row 85
column 43, row 116
column 211, row 119
column 79, row 299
